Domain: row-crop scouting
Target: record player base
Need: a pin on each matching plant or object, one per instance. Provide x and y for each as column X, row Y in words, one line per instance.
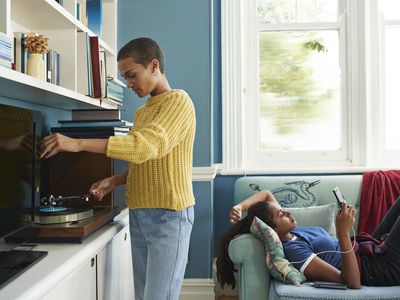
column 73, row 232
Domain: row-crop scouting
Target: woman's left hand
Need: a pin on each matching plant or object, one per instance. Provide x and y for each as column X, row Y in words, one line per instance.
column 55, row 143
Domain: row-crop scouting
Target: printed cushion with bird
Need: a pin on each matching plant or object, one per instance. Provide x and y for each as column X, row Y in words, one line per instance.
column 278, row 266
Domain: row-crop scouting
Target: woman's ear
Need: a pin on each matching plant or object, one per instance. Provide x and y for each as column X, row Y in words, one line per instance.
column 155, row 66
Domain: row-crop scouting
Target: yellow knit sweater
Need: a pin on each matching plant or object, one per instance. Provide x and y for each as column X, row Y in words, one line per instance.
column 159, row 151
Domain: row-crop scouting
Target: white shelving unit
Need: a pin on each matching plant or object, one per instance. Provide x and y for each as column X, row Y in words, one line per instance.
column 60, row 25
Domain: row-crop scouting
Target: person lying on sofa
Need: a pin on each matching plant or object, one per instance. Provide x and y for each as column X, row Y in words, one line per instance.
column 303, row 244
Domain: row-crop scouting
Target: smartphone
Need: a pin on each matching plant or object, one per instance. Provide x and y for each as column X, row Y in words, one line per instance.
column 339, row 197
column 329, row 285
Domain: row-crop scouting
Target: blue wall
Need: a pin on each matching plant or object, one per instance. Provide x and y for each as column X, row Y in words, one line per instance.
column 217, row 86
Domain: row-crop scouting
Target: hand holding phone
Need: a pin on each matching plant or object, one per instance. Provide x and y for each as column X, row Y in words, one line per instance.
column 339, row 197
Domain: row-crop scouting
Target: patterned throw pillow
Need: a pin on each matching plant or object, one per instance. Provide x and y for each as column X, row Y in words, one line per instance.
column 278, row 266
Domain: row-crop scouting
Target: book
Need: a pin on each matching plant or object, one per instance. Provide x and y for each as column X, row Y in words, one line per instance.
column 94, row 16
column 93, row 134
column 103, row 74
column 117, row 99
column 95, row 63
column 111, row 85
column 90, row 134
column 83, row 63
column 96, row 114
column 108, row 100
column 91, row 123
column 115, row 81
column 91, row 129
column 115, row 94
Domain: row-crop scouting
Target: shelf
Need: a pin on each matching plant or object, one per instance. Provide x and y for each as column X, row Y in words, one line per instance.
column 23, row 87
column 30, row 14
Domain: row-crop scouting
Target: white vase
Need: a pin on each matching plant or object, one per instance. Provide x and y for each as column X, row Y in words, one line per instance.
column 36, row 65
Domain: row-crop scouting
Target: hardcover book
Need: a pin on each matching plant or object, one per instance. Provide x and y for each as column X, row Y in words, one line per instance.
column 96, row 114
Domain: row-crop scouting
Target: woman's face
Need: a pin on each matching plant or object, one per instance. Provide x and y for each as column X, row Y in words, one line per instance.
column 284, row 221
column 138, row 78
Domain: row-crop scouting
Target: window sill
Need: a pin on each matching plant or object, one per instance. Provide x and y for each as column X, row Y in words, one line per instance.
column 311, row 170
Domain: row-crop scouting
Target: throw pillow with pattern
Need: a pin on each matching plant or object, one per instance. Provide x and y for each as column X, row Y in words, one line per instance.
column 278, row 266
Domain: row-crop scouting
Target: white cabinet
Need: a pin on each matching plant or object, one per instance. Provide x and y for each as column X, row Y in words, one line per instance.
column 80, row 285
column 114, row 269
column 107, row 275
column 61, row 26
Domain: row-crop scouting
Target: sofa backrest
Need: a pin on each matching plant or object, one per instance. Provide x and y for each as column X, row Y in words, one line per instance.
column 301, row 190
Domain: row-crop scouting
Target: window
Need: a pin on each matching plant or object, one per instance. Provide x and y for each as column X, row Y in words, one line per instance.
column 390, row 48
column 295, row 83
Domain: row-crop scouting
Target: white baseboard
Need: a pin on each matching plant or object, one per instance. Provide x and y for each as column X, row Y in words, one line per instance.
column 197, row 289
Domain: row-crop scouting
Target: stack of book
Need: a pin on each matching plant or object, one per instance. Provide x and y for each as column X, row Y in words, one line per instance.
column 6, row 50
column 94, row 123
column 115, row 91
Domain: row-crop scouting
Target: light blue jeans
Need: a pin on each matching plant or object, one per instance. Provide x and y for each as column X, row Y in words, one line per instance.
column 160, row 244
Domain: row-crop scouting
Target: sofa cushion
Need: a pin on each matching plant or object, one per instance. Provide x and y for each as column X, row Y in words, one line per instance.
column 322, row 216
column 277, row 264
column 307, row 291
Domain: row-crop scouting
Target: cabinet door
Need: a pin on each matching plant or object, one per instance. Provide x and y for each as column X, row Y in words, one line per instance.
column 80, row 285
column 114, row 268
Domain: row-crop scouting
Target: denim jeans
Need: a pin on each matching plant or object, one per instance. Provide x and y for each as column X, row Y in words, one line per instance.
column 160, row 244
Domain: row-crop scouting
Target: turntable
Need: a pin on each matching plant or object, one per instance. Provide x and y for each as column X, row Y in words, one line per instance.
column 54, row 211
column 64, row 219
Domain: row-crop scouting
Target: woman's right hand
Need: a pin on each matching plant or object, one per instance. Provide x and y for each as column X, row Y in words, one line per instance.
column 345, row 219
column 235, row 214
column 102, row 187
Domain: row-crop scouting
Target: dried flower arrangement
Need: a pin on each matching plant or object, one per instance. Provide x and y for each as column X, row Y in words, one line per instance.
column 36, row 43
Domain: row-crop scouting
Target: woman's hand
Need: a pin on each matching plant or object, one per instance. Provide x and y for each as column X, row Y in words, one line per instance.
column 345, row 219
column 350, row 272
column 235, row 214
column 55, row 143
column 102, row 187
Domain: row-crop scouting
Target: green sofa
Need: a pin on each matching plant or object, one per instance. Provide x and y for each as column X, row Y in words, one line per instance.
column 248, row 253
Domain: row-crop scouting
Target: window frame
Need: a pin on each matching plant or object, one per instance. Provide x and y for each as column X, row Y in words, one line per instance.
column 239, row 79
column 384, row 155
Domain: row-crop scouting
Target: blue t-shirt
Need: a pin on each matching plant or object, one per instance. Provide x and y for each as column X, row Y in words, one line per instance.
column 308, row 242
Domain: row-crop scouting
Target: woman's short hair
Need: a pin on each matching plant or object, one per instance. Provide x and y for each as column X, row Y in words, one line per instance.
column 143, row 51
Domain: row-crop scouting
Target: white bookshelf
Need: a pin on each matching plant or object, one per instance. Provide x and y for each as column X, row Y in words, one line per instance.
column 20, row 86
column 60, row 25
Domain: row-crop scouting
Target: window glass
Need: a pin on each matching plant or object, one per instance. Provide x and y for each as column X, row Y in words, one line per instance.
column 297, row 11
column 392, row 95
column 299, row 90
column 390, row 9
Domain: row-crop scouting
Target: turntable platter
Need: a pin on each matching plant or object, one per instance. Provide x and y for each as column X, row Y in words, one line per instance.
column 52, row 209
column 66, row 215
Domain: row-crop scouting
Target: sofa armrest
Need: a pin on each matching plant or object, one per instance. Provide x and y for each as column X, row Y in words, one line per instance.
column 248, row 254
